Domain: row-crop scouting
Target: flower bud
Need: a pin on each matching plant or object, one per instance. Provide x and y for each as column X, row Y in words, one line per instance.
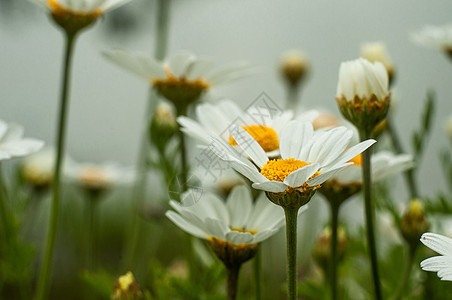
column 322, row 247
column 163, row 125
column 294, row 67
column 414, row 223
column 126, row 288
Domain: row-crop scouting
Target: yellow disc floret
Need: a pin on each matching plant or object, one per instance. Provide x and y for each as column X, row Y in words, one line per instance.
column 59, row 9
column 279, row 169
column 265, row 136
column 253, row 232
column 357, row 160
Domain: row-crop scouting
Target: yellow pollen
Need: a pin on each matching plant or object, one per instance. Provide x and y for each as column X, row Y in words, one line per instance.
column 357, row 160
column 265, row 136
column 253, row 232
column 279, row 169
column 60, row 9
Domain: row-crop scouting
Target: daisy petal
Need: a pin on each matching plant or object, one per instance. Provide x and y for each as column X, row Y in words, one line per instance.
column 249, row 145
column 327, row 175
column 299, row 177
column 185, row 225
column 180, row 62
column 239, row 204
column 438, row 243
column 236, row 237
column 351, row 153
column 271, row 186
column 136, row 63
column 295, row 135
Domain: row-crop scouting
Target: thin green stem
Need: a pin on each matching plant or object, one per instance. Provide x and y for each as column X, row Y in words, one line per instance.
column 91, row 215
column 4, row 214
column 183, row 155
column 369, row 213
column 406, row 274
column 44, row 275
column 232, row 281
column 291, row 236
column 334, row 259
column 293, row 97
column 257, row 270
column 408, row 174
column 139, row 191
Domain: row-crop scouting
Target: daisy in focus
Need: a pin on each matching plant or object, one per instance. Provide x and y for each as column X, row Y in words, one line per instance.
column 435, row 37
column 308, row 158
column 183, row 78
column 14, row 144
column 442, row 264
column 238, row 221
column 215, row 119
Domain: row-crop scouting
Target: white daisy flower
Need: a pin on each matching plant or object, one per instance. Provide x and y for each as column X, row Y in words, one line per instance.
column 215, row 119
column 80, row 7
column 441, row 263
column 182, row 78
column 94, row 176
column 434, row 37
column 238, row 221
column 308, row 158
column 383, row 164
column 13, row 144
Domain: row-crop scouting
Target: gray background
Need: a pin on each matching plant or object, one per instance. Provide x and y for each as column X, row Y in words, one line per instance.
column 107, row 103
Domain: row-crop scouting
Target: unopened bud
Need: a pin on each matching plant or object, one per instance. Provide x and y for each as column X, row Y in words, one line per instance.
column 322, row 248
column 414, row 223
column 294, row 67
column 163, row 125
column 126, row 288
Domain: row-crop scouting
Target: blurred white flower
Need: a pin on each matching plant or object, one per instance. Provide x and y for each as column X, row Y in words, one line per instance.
column 238, row 221
column 383, row 164
column 215, row 119
column 434, row 37
column 13, row 144
column 294, row 66
column 182, row 78
column 80, row 7
column 441, row 263
column 377, row 51
column 99, row 177
column 361, row 78
column 308, row 158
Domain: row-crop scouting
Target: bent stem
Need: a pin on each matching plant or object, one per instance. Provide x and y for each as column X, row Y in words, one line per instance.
column 369, row 213
column 44, row 274
column 334, row 261
column 408, row 174
column 291, row 236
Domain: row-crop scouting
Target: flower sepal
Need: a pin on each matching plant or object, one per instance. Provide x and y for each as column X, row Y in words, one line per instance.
column 230, row 254
column 71, row 22
column 292, row 198
column 364, row 113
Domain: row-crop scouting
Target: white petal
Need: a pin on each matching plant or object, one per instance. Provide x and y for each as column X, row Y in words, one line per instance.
column 266, row 215
column 194, row 129
column 211, row 117
column 351, row 153
column 185, row 225
column 249, row 145
column 228, row 73
column 263, row 235
column 14, row 132
column 299, row 177
column 294, row 136
column 271, row 186
column 216, row 228
column 438, row 243
column 327, row 174
column 329, row 145
column 239, row 204
column 180, row 62
column 440, row 264
column 236, row 237
column 199, row 68
column 136, row 63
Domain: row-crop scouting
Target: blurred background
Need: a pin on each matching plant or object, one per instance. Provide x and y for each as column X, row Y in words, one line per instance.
column 108, row 104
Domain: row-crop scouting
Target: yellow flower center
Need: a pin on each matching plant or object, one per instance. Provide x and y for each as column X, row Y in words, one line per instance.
column 59, row 9
column 253, row 232
column 357, row 160
column 265, row 136
column 279, row 169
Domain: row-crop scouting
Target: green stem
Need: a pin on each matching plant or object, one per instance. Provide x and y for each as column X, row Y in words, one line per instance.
column 232, row 281
column 293, row 97
column 4, row 214
column 334, row 259
column 257, row 270
column 44, row 275
column 291, row 236
column 369, row 213
column 91, row 207
column 408, row 174
column 161, row 45
column 406, row 274
column 183, row 151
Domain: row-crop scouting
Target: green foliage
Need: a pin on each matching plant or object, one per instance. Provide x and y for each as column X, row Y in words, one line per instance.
column 421, row 135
